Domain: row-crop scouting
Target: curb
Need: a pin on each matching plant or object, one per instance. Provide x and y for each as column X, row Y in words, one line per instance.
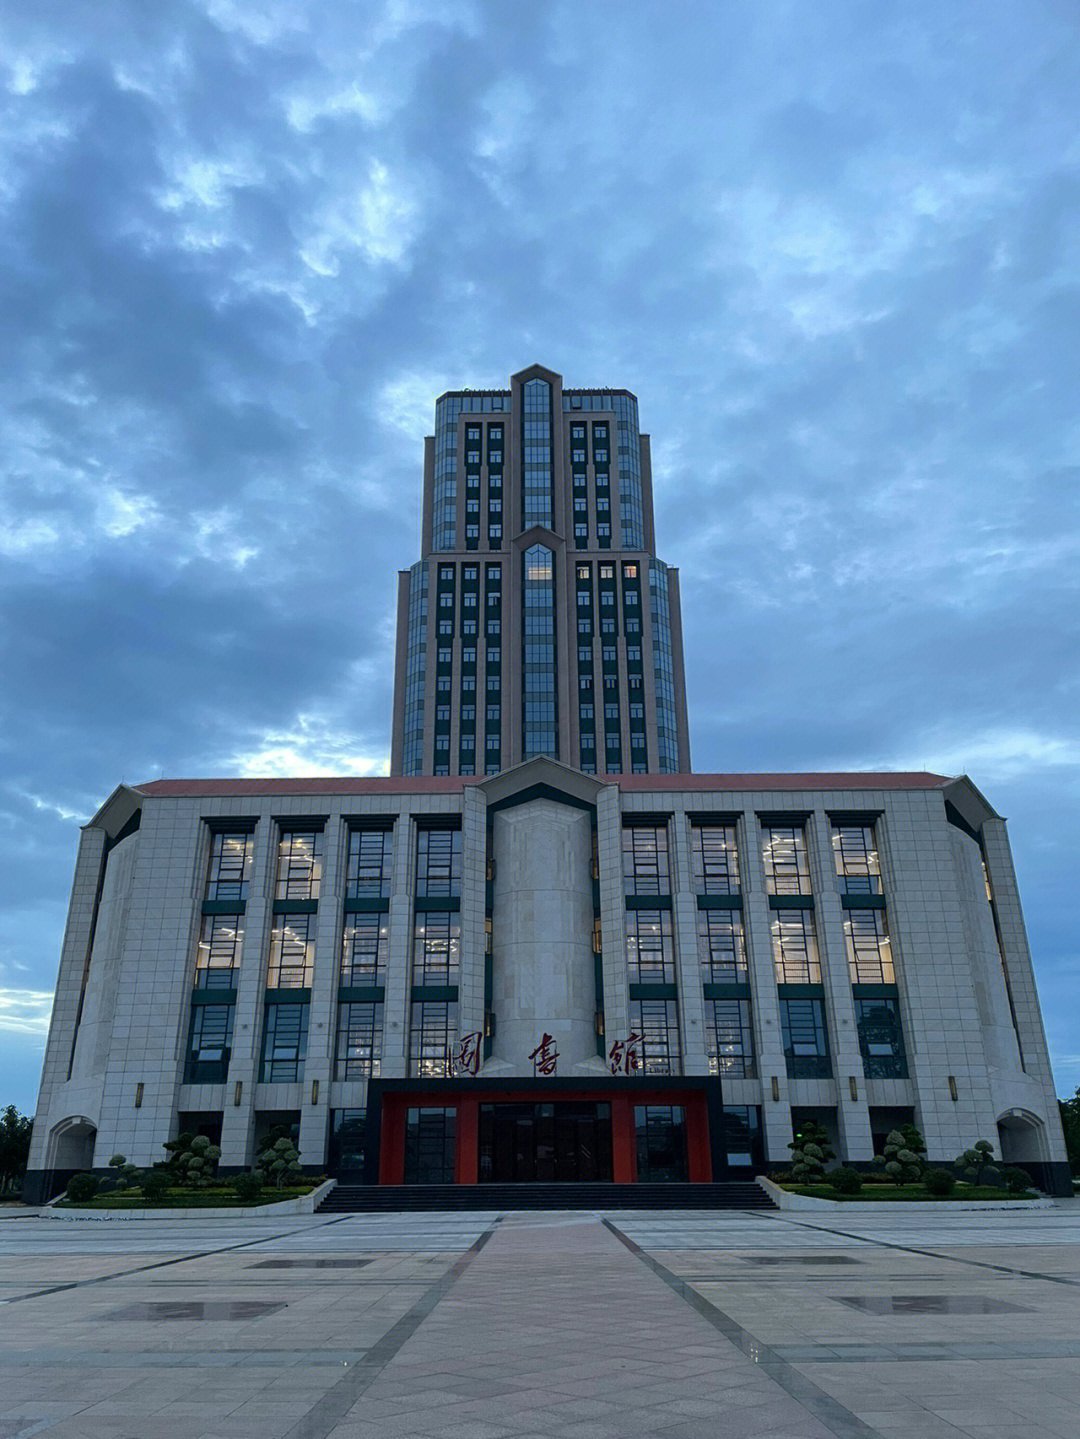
column 805, row 1202
column 306, row 1204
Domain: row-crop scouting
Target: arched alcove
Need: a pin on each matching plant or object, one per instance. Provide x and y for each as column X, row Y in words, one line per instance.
column 1022, row 1137
column 72, row 1144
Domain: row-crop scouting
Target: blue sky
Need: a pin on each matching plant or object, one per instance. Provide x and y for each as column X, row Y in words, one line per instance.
column 834, row 249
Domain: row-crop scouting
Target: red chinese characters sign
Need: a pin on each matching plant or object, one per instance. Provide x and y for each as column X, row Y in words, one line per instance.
column 545, row 1057
column 623, row 1055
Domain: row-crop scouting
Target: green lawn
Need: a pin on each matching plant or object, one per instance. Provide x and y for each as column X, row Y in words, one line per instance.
column 885, row 1193
column 187, row 1199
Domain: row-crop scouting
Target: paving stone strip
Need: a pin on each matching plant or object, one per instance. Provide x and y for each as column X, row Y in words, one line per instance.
column 558, row 1330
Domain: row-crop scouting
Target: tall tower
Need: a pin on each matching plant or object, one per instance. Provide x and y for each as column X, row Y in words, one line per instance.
column 538, row 620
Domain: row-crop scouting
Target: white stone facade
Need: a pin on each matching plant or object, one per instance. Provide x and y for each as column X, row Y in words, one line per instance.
column 541, row 870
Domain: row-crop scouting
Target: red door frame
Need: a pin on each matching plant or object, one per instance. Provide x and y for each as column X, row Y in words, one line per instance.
column 467, row 1130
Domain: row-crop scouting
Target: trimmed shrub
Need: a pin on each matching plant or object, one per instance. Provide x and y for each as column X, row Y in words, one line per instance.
column 154, row 1183
column 939, row 1182
column 195, row 1162
column 279, row 1163
column 1017, row 1180
column 82, row 1187
column 976, row 1165
column 901, row 1163
column 809, row 1155
column 124, row 1173
column 845, row 1180
column 247, row 1187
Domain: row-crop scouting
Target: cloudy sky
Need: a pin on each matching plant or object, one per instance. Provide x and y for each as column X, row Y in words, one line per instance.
column 835, row 250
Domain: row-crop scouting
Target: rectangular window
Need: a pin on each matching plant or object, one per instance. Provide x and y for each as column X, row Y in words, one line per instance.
column 806, row 1046
column 645, row 859
column 230, row 865
column 787, row 869
column 881, row 1038
column 716, row 859
column 722, row 946
column 729, row 1038
column 217, row 958
column 368, row 863
column 292, row 952
column 432, row 1036
column 868, row 947
column 438, row 861
column 359, row 1041
column 210, row 1044
column 436, row 947
column 284, row 1043
column 856, row 856
column 657, row 1021
column 650, row 949
column 795, row 947
column 365, row 943
column 300, row 864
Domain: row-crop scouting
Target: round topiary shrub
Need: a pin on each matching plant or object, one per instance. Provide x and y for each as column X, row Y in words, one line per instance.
column 939, row 1183
column 82, row 1187
column 845, row 1180
column 976, row 1165
column 1017, row 1180
column 247, row 1187
column 154, row 1183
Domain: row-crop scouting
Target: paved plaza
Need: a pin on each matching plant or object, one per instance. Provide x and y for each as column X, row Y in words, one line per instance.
column 590, row 1326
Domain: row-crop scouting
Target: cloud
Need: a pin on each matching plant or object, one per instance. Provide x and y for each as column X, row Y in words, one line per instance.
column 25, row 1011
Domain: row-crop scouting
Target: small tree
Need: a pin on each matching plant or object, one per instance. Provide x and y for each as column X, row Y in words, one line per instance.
column 810, row 1153
column 1016, row 1180
column 194, row 1162
column 82, row 1187
column 154, row 1183
column 901, row 1164
column 14, row 1147
column 976, row 1165
column 124, row 1172
column 248, row 1186
column 1070, row 1123
column 279, row 1162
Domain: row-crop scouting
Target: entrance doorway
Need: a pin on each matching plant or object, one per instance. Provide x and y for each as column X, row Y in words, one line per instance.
column 561, row 1143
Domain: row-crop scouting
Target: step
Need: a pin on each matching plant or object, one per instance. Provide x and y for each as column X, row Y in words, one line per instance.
column 389, row 1198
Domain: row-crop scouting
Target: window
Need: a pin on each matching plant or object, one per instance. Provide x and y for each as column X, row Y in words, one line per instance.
column 577, row 432
column 729, row 1039
column 806, row 1046
column 588, row 741
column 630, row 597
column 607, row 597
column 584, row 627
column 472, row 457
column 578, row 456
column 468, row 683
column 446, row 601
column 442, row 712
column 444, row 655
column 584, row 655
column 607, row 572
column 645, row 859
column 217, row 958
column 210, row 1044
column 359, row 1041
column 468, row 654
column 856, row 858
column 494, row 574
column 472, row 507
column 472, row 432
column 299, row 865
column 583, row 598
column 292, row 952
column 468, row 627
column 493, row 655
column 795, row 947
column 494, row 532
column 432, row 1036
column 492, row 742
column 650, row 951
column 446, row 572
column 583, row 572
column 607, row 653
column 657, row 1021
column 868, row 948
column 611, row 712
column 368, row 861
column 787, row 869
column 364, row 946
column 468, row 599
column 607, row 627
column 469, row 572
column 442, row 741
column 629, row 572
column 446, row 627
column 284, row 1043
column 438, row 863
column 436, row 947
column 230, row 865
column 494, row 626
column 586, row 712
column 716, row 859
column 581, row 505
column 881, row 1039
column 722, row 946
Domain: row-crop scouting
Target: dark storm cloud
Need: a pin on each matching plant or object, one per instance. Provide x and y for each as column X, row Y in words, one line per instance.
column 244, row 246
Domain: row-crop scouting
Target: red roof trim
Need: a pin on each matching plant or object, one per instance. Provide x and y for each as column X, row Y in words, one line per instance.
column 441, row 784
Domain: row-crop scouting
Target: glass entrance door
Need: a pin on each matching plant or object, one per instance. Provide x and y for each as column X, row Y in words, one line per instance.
column 545, row 1143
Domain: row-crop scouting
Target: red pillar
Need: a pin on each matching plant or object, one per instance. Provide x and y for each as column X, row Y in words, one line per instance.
column 392, row 1140
column 467, row 1151
column 698, row 1150
column 623, row 1140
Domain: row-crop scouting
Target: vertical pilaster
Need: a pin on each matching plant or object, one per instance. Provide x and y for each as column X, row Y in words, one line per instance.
column 852, row 1114
column 687, row 965
column 238, row 1121
column 322, row 1018
column 768, row 1035
column 399, row 957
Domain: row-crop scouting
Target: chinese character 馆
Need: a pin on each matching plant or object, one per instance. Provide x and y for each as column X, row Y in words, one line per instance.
column 623, row 1056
